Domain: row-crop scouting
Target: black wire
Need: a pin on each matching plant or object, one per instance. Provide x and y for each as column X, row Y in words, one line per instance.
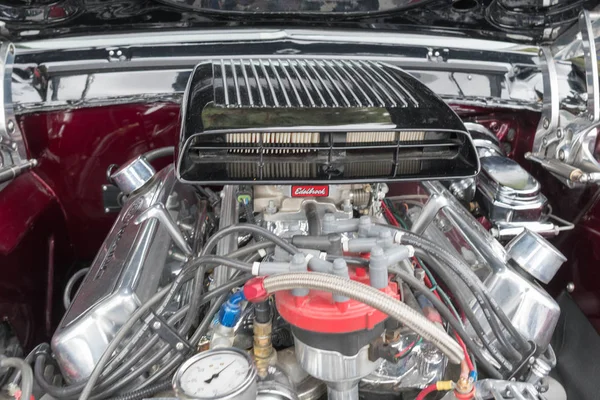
column 486, row 302
column 469, row 314
column 212, row 242
column 496, row 329
column 451, row 319
column 146, row 392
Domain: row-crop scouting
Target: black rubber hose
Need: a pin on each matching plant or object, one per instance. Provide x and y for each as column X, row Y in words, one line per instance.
column 469, row 314
column 454, row 323
column 194, row 340
column 149, row 391
column 159, row 153
column 470, row 279
column 129, row 364
column 73, row 391
column 173, row 362
column 194, row 302
column 220, row 291
column 212, row 242
column 479, row 295
column 223, row 289
column 472, row 282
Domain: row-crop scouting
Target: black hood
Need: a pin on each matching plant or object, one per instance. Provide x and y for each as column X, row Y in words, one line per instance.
column 524, row 21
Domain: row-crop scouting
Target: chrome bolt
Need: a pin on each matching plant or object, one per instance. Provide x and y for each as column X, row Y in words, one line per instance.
column 119, row 52
column 469, row 77
column 179, row 346
column 561, row 155
column 545, row 141
column 107, row 210
column 546, row 123
column 104, row 188
column 10, row 125
column 347, row 205
column 559, row 133
column 591, row 117
column 156, row 325
column 531, row 360
column 570, row 287
column 111, row 53
column 271, row 208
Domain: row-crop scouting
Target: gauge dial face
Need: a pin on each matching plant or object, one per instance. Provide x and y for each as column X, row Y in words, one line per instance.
column 215, row 376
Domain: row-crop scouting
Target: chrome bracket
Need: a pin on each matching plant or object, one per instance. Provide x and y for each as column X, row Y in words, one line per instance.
column 13, row 155
column 549, row 120
column 159, row 212
column 563, row 142
column 507, row 390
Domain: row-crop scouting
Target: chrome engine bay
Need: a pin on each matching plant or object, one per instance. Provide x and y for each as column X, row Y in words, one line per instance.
column 323, row 233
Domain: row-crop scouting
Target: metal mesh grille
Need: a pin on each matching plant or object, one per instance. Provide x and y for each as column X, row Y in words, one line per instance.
column 269, row 139
column 251, row 171
column 308, row 83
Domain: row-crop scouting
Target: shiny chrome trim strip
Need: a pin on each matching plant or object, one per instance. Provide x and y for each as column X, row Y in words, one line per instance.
column 75, row 65
column 241, row 35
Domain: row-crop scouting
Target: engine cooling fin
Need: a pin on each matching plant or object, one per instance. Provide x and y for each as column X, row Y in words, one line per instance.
column 289, row 120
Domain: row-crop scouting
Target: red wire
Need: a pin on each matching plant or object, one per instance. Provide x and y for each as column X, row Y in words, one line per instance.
column 428, row 389
column 389, row 214
column 467, row 356
column 406, row 349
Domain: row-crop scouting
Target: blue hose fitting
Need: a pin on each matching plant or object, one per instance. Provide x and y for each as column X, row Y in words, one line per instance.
column 231, row 310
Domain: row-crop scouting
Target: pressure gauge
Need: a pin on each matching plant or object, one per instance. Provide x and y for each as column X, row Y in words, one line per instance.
column 219, row 374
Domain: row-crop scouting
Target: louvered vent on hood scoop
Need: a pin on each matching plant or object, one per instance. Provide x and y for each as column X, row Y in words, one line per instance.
column 300, row 120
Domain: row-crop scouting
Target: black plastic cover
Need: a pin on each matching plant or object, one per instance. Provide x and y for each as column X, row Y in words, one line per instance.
column 298, row 120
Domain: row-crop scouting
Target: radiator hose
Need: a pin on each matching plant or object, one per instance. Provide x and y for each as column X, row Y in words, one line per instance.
column 258, row 289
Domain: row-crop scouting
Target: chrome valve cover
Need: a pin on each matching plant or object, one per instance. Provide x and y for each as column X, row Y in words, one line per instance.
column 133, row 262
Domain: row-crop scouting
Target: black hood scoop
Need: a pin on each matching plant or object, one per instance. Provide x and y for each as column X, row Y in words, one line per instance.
column 291, row 120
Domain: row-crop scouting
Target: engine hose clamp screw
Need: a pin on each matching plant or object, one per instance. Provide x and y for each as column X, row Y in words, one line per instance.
column 156, row 325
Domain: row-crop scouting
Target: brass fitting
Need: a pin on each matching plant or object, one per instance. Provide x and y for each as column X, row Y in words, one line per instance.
column 464, row 386
column 264, row 353
column 464, row 389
